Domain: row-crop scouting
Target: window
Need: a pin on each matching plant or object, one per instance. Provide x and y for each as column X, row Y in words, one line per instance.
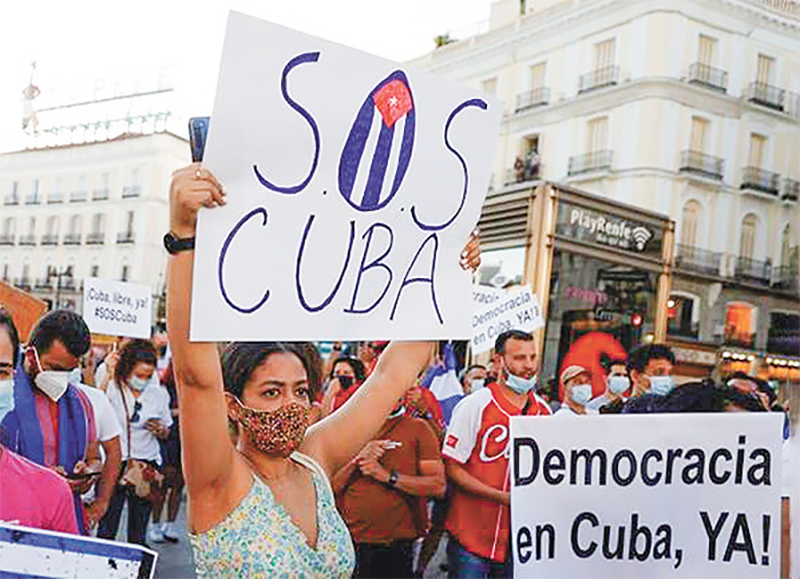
column 75, row 225
column 699, row 132
column 758, row 144
column 130, row 222
column 489, row 86
column 31, row 226
column 706, row 48
column 740, row 324
column 683, row 315
column 125, row 272
column 598, row 134
column 764, row 69
column 9, row 226
column 786, row 245
column 537, row 75
column 748, row 238
column 604, row 54
column 784, row 333
column 95, row 271
column 97, row 223
column 5, row 271
column 690, row 219
column 52, row 225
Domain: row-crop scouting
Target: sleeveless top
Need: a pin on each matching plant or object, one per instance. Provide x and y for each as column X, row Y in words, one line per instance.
column 258, row 538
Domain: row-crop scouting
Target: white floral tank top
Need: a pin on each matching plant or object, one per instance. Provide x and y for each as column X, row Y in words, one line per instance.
column 259, row 539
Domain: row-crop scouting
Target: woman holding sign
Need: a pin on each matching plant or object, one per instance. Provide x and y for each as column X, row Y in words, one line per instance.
column 264, row 505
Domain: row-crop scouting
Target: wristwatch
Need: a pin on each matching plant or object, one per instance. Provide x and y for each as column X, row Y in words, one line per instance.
column 174, row 244
column 393, row 476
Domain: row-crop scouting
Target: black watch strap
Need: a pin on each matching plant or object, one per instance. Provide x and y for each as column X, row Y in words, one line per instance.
column 393, row 476
column 174, row 244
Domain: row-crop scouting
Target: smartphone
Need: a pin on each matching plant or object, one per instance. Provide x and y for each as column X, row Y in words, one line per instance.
column 198, row 130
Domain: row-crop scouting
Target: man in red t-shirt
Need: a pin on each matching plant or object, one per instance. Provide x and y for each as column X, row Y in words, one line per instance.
column 476, row 451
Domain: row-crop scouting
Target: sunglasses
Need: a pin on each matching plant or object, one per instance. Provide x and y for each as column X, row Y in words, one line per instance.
column 136, row 408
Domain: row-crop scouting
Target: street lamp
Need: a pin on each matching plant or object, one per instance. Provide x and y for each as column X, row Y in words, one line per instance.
column 54, row 272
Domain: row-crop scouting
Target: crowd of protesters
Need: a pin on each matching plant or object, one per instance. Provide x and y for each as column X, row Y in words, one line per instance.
column 294, row 464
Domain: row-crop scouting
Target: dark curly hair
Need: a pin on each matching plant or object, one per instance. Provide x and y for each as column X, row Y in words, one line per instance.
column 241, row 359
column 132, row 353
column 7, row 322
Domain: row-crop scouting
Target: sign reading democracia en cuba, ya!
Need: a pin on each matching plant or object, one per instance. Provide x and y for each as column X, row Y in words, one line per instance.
column 353, row 184
column 668, row 495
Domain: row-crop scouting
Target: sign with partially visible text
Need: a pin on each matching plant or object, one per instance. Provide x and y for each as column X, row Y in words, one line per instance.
column 515, row 309
column 353, row 184
column 117, row 308
column 657, row 495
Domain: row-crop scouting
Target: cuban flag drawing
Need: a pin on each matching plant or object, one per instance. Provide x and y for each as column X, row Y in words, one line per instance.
column 374, row 162
column 443, row 383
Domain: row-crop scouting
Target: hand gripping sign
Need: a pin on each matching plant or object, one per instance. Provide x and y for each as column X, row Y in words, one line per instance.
column 353, row 184
column 668, row 495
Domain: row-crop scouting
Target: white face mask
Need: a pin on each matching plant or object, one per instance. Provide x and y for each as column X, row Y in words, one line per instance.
column 6, row 397
column 618, row 384
column 52, row 382
column 661, row 385
column 138, row 383
column 581, row 394
column 476, row 384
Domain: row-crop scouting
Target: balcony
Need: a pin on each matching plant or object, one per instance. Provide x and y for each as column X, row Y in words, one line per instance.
column 690, row 258
column 533, row 98
column 753, row 270
column 55, row 197
column 50, row 239
column 757, row 179
column 765, row 95
column 602, row 77
column 23, row 283
column 100, row 195
column 125, row 237
column 708, row 77
column 791, row 190
column 7, row 239
column 27, row 239
column 44, row 283
column 131, row 191
column 11, row 199
column 72, row 239
column 785, row 277
column 96, row 238
column 33, row 199
column 702, row 164
column 596, row 161
column 77, row 197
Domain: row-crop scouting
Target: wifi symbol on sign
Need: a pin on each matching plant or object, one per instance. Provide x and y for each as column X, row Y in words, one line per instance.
column 641, row 235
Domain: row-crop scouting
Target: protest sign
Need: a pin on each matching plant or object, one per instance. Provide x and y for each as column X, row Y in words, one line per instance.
column 692, row 495
column 27, row 552
column 117, row 308
column 24, row 308
column 516, row 309
column 353, row 184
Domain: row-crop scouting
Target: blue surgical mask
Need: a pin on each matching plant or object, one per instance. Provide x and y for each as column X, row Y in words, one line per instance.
column 476, row 384
column 138, row 383
column 521, row 385
column 619, row 384
column 6, row 397
column 581, row 394
column 661, row 385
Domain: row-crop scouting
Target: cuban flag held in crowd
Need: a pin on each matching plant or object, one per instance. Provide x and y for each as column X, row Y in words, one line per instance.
column 444, row 384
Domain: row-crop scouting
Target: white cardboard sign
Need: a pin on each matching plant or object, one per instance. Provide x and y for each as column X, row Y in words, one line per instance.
column 117, row 308
column 28, row 552
column 516, row 309
column 353, row 184
column 680, row 495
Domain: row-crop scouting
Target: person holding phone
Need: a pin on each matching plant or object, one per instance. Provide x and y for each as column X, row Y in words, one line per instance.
column 264, row 505
column 142, row 407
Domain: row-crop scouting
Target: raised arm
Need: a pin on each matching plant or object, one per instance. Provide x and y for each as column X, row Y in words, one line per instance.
column 208, row 453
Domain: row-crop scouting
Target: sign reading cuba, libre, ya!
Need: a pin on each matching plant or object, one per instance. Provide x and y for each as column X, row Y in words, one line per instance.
column 353, row 184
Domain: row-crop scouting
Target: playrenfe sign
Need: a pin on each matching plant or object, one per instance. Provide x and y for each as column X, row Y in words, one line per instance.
column 611, row 231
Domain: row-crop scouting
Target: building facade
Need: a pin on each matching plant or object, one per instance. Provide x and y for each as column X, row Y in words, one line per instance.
column 95, row 209
column 685, row 108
